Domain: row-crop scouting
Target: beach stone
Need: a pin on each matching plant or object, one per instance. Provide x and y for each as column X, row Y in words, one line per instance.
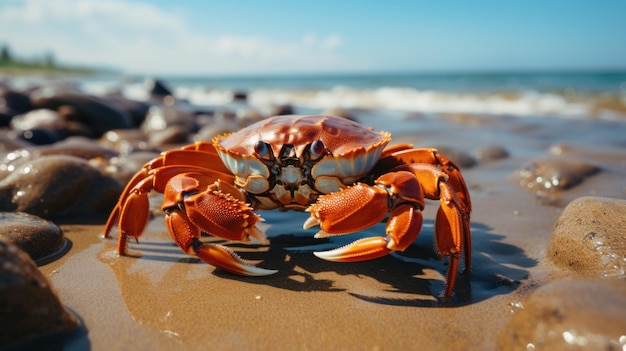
column 98, row 114
column 38, row 119
column 160, row 118
column 461, row 158
column 157, row 89
column 137, row 110
column 30, row 309
column 569, row 314
column 36, row 236
column 125, row 141
column 588, row 238
column 248, row 116
column 553, row 175
column 40, row 136
column 123, row 168
column 5, row 118
column 491, row 153
column 240, row 96
column 209, row 131
column 75, row 146
column 10, row 142
column 14, row 102
column 58, row 185
column 168, row 136
column 41, row 126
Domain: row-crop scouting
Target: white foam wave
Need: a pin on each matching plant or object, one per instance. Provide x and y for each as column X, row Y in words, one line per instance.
column 407, row 99
column 530, row 103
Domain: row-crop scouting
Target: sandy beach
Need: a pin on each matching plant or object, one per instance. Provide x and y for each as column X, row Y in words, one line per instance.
column 160, row 298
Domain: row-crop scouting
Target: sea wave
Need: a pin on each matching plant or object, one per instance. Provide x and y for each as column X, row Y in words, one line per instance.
column 564, row 100
column 610, row 106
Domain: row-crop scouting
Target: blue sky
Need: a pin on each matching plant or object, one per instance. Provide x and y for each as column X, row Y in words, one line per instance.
column 276, row 36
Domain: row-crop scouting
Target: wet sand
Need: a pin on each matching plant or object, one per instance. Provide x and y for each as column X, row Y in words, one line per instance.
column 162, row 299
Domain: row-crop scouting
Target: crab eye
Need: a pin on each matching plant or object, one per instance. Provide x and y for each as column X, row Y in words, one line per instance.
column 317, row 148
column 260, row 148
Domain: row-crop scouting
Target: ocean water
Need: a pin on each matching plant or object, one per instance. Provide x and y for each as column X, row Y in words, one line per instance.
column 560, row 94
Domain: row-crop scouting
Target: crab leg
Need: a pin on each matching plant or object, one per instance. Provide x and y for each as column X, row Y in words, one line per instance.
column 131, row 210
column 416, row 159
column 426, row 156
column 140, row 185
column 216, row 211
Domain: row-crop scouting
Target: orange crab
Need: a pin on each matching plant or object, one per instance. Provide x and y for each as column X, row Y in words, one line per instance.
column 337, row 170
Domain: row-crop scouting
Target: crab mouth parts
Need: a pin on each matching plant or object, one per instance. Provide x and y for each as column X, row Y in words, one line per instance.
column 288, row 157
column 290, row 180
column 292, row 171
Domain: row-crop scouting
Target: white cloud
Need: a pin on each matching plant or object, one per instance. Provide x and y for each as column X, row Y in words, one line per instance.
column 331, row 42
column 140, row 37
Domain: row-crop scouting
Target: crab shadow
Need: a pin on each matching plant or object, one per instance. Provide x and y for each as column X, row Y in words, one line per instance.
column 414, row 277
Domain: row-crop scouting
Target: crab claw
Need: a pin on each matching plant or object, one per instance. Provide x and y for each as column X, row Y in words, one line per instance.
column 349, row 210
column 360, row 250
column 189, row 211
column 224, row 258
column 402, row 229
column 186, row 236
column 362, row 206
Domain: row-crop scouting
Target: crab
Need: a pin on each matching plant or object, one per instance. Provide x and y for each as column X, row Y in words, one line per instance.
column 340, row 172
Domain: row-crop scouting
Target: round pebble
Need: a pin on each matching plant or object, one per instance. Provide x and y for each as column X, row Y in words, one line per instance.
column 169, row 136
column 97, row 113
column 75, row 146
column 9, row 141
column 588, row 237
column 58, row 185
column 550, row 174
column 14, row 102
column 123, row 168
column 38, row 119
column 208, row 132
column 41, row 239
column 30, row 309
column 491, row 153
column 161, row 117
column 125, row 141
column 461, row 158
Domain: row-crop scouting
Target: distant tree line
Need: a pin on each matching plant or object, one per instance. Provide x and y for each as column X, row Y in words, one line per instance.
column 7, row 57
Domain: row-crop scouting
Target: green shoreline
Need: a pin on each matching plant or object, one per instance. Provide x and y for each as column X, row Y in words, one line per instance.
column 15, row 67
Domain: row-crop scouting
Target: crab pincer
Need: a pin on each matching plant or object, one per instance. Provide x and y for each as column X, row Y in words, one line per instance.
column 362, row 206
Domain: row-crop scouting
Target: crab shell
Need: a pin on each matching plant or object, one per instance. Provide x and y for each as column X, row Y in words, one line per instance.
column 352, row 150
